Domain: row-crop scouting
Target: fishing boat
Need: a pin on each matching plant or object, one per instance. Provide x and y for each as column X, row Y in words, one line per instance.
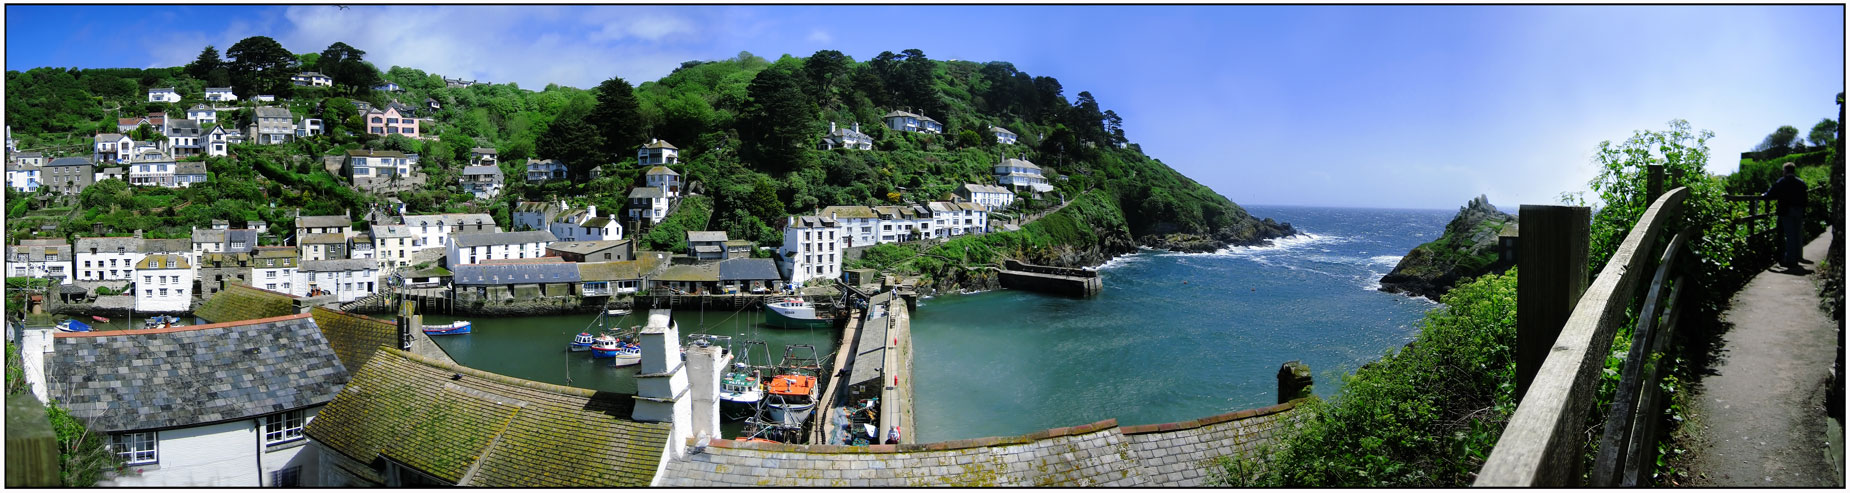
column 100, row 318
column 741, row 387
column 627, row 355
column 794, row 313
column 616, row 312
column 582, row 342
column 73, row 326
column 449, row 329
column 790, row 399
column 624, row 354
column 161, row 322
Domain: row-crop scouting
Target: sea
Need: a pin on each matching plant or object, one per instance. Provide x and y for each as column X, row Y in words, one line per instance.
column 1172, row 337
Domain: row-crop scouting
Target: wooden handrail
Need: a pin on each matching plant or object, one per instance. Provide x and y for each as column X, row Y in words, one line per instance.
column 1617, row 445
column 1541, row 444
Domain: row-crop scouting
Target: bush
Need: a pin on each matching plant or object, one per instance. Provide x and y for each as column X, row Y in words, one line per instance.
column 1425, row 416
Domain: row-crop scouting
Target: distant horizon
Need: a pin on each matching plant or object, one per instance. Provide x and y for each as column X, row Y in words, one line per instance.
column 1418, row 107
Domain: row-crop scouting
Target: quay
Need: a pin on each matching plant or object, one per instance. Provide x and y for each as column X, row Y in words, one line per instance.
column 1079, row 283
column 874, row 362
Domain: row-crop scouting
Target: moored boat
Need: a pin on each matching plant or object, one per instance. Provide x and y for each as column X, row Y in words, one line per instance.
column 790, row 399
column 623, row 353
column 582, row 342
column 452, row 328
column 73, row 326
column 741, row 387
column 794, row 313
column 616, row 312
column 100, row 318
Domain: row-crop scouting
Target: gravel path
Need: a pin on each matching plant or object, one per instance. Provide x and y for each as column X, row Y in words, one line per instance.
column 1759, row 419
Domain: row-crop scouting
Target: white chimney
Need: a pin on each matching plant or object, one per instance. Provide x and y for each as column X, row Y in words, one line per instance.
column 857, row 126
column 661, row 386
column 704, row 364
column 831, row 126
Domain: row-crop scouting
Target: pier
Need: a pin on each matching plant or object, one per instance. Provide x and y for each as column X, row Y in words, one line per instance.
column 1078, row 283
column 873, row 365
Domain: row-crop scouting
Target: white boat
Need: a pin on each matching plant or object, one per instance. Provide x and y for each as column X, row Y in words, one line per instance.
column 741, row 386
column 790, row 399
column 616, row 312
column 794, row 313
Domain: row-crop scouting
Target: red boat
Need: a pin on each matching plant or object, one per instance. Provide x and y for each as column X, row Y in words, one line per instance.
column 99, row 318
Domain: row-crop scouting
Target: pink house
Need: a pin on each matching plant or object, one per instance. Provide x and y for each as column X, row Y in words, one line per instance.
column 389, row 122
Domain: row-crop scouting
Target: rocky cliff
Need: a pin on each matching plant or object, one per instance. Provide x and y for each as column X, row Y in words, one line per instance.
column 1467, row 249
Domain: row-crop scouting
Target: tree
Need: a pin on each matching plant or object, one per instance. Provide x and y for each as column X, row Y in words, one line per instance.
column 1780, row 141
column 778, row 119
column 1824, row 133
column 260, row 65
column 825, row 71
column 347, row 66
column 618, row 118
column 209, row 68
column 574, row 141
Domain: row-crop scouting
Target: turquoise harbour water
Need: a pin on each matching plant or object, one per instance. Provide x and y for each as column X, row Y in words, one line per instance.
column 1173, row 337
column 1150, row 349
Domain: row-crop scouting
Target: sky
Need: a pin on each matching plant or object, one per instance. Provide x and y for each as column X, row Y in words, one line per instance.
column 1360, row 106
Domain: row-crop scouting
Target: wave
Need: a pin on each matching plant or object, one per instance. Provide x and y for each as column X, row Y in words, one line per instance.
column 1282, row 244
column 1120, row 261
column 1385, row 259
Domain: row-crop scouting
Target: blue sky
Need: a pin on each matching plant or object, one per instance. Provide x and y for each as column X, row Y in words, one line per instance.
column 1372, row 106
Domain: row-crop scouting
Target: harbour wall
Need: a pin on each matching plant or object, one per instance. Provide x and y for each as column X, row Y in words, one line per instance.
column 1177, row 454
column 1079, row 283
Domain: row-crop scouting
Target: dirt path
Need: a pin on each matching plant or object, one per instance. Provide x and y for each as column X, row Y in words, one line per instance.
column 1759, row 419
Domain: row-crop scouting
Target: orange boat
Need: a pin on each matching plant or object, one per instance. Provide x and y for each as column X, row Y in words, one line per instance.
column 791, row 398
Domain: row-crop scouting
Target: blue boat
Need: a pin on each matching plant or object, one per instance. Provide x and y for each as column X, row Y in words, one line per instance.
column 582, row 342
column 450, row 329
column 73, row 326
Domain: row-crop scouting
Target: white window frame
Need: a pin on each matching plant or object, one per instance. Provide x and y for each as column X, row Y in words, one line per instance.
column 139, row 448
column 284, row 427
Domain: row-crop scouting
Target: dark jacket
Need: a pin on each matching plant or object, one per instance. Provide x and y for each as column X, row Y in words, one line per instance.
column 1789, row 191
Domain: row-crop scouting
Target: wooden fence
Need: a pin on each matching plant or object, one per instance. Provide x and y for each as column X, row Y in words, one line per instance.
column 1542, row 443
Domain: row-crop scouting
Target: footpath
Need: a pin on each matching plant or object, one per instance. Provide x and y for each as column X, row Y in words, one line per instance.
column 1759, row 419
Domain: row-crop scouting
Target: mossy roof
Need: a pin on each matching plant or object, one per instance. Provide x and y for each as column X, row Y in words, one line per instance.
column 354, row 338
column 238, row 302
column 848, row 212
column 451, row 421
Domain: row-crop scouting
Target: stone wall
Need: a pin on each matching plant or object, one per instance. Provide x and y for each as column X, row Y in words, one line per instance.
column 1098, row 454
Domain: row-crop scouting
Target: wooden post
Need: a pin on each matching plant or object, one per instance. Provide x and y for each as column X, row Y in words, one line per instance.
column 1552, row 260
column 1654, row 182
column 31, row 446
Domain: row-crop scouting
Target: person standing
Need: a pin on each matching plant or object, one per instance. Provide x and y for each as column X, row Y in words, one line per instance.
column 1790, row 192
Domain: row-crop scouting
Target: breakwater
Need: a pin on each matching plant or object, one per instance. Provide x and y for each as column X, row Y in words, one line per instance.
column 1079, row 283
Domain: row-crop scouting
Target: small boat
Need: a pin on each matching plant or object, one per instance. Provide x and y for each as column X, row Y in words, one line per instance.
column 795, row 313
column 624, row 354
column 73, row 326
column 99, row 318
column 452, row 328
column 790, row 399
column 741, row 387
column 582, row 342
column 616, row 312
column 160, row 322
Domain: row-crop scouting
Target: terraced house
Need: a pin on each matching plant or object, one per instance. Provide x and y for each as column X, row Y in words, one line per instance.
column 108, row 258
column 480, row 247
column 69, row 175
column 164, row 284
column 219, row 404
column 274, row 268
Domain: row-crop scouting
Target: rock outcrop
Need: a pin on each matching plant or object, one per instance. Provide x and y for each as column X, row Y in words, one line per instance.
column 1467, row 249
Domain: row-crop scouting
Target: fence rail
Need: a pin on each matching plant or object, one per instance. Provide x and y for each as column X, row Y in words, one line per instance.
column 1541, row 444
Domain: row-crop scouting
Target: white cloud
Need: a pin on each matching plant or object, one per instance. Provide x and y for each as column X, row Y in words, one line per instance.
column 821, row 36
column 531, row 46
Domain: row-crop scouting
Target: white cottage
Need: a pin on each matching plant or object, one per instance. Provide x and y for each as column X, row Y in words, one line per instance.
column 215, row 405
column 163, row 283
column 812, row 248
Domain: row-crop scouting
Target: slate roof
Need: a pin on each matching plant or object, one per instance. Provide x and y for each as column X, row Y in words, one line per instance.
column 108, row 244
column 166, row 245
column 972, row 187
column 504, row 238
column 646, row 193
column 159, row 261
column 184, row 124
column 658, row 144
column 969, row 206
column 193, row 375
column 277, row 252
column 323, row 222
column 708, row 272
column 996, row 129
column 391, row 231
column 609, row 271
column 704, row 236
column 505, row 274
column 748, row 269
column 30, row 154
column 447, row 219
column 354, row 338
column 323, row 238
column 662, row 170
column 217, row 89
column 271, row 112
column 1012, row 162
column 481, row 150
column 190, row 168
column 338, row 265
column 534, row 206
column 848, row 212
column 482, row 170
column 815, row 222
column 447, row 420
column 586, row 247
column 373, row 153
column 238, row 302
column 108, row 137
column 68, row 161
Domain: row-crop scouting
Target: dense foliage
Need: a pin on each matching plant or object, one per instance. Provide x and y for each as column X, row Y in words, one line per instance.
column 83, row 454
column 1424, row 416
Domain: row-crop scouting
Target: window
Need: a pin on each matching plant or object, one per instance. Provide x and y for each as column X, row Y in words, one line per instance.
column 163, row 292
column 283, row 427
column 288, row 476
column 136, row 448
